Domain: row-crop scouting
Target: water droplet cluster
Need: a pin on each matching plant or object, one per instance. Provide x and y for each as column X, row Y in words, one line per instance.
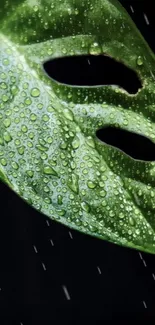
column 49, row 152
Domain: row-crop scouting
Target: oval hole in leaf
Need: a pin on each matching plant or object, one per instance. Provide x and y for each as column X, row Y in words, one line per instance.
column 135, row 145
column 89, row 70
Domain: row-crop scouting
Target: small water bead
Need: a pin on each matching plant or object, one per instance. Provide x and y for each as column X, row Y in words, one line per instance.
column 50, row 51
column 30, row 173
column 24, row 128
column 137, row 232
column 5, row 98
column 21, row 150
column 46, row 189
column 35, row 92
column 29, row 144
column 121, row 215
column 14, row 165
column 64, row 51
column 11, row 154
column 7, row 137
column 68, row 114
column 61, row 212
column 73, row 183
column 7, row 122
column 44, row 156
column 102, row 193
column 33, row 117
column 28, row 101
column 63, row 145
column 90, row 142
column 111, row 213
column 40, row 106
column 73, row 165
column 50, row 109
column 132, row 221
column 85, row 171
column 48, row 170
column 14, row 90
column 3, row 162
column 75, row 142
column 91, row 184
column 139, row 61
column 47, row 200
column 45, row 118
column 31, row 135
column 41, row 148
column 6, row 61
column 59, row 199
column 17, row 142
column 85, row 206
column 3, row 76
column 95, row 49
column 3, row 85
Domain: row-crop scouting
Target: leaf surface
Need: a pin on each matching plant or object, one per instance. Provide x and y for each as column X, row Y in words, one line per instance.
column 49, row 152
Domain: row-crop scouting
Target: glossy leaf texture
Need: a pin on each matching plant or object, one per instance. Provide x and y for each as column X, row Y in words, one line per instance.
column 49, row 152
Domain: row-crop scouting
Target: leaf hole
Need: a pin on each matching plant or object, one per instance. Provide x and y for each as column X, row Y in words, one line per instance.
column 135, row 145
column 91, row 70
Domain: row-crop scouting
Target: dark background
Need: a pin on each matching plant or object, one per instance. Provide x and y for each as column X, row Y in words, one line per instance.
column 50, row 274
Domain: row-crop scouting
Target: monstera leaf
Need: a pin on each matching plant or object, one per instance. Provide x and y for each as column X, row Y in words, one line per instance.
column 49, row 152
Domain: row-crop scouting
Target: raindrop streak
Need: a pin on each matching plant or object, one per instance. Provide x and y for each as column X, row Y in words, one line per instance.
column 44, row 267
column 70, row 234
column 93, row 70
column 144, row 303
column 35, row 249
column 135, row 145
column 99, row 270
column 51, row 241
column 66, row 292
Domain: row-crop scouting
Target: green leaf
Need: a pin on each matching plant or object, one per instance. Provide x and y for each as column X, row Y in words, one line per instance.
column 49, row 153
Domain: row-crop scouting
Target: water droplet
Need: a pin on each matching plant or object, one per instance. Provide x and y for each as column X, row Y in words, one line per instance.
column 90, row 142
column 139, row 61
column 61, row 212
column 24, row 128
column 63, row 145
column 21, row 150
column 33, row 117
column 45, row 118
column 68, row 114
column 132, row 221
column 47, row 200
column 75, row 142
column 111, row 213
column 59, row 199
column 49, row 140
column 91, row 184
column 30, row 173
column 121, row 215
column 5, row 98
column 85, row 206
column 7, row 122
column 73, row 183
column 7, row 137
column 48, row 170
column 35, row 8
column 103, row 193
column 3, row 162
column 95, row 49
column 28, row 101
column 6, row 62
column 14, row 165
column 35, row 92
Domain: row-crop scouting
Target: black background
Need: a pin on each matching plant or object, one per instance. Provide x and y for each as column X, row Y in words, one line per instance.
column 39, row 258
